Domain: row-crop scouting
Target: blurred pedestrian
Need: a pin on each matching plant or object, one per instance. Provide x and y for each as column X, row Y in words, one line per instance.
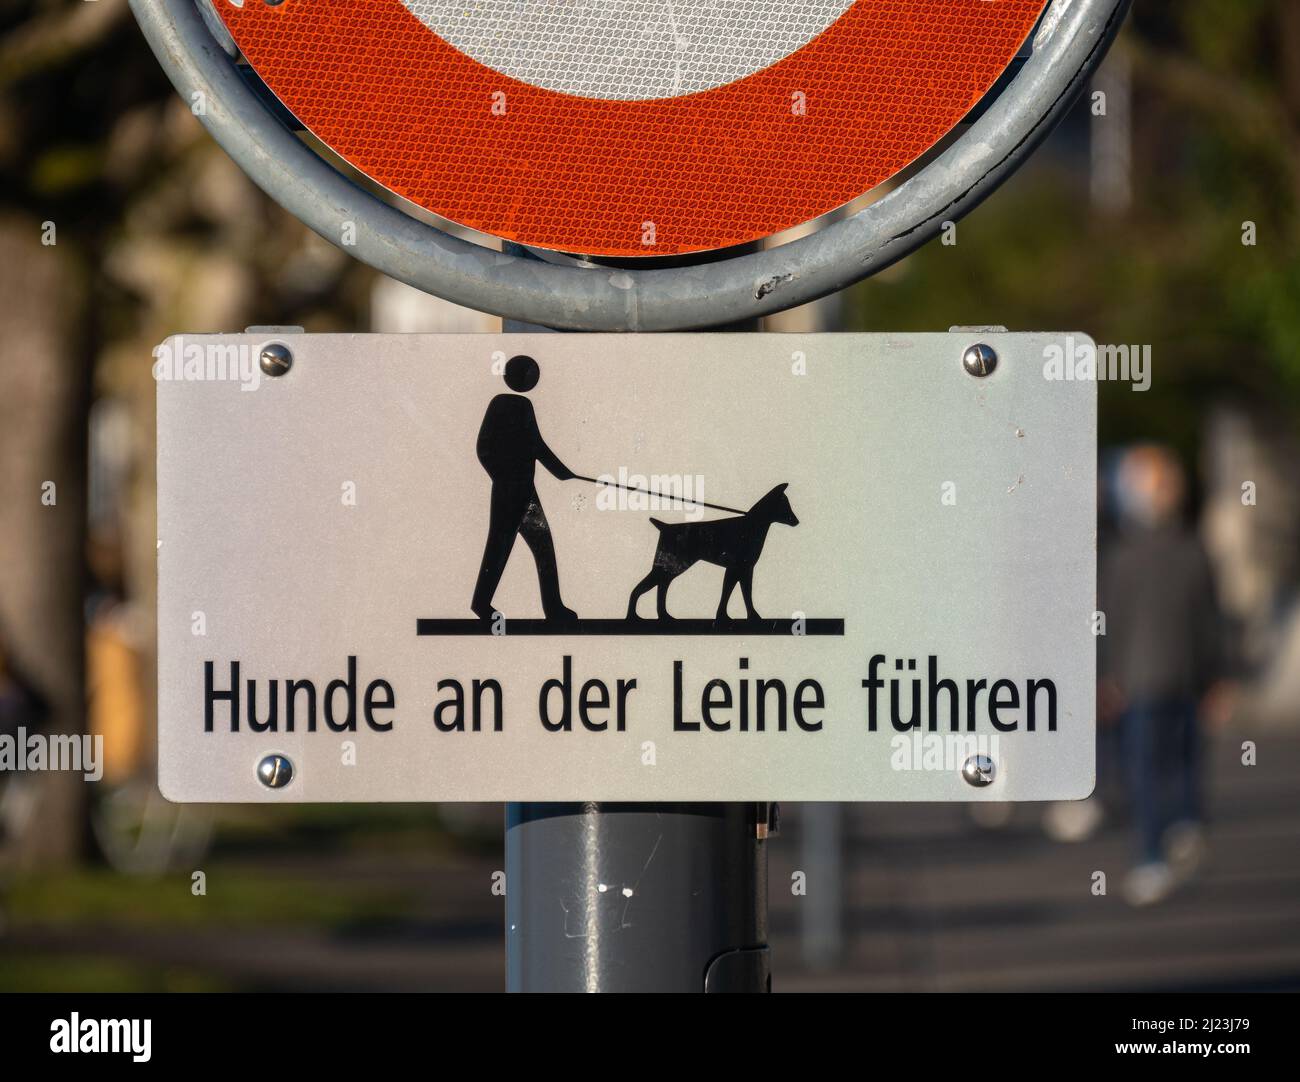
column 1160, row 656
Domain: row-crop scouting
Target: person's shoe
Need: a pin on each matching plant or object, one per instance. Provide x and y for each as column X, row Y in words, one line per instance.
column 1185, row 847
column 1149, row 884
column 484, row 612
column 561, row 615
column 1072, row 820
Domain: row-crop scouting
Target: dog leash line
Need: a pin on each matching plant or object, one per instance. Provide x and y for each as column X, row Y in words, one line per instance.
column 661, row 495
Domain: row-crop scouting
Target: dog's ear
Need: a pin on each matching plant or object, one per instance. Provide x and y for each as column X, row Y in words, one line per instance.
column 781, row 487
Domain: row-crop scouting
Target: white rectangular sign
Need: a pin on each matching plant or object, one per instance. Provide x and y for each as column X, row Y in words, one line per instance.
column 626, row 567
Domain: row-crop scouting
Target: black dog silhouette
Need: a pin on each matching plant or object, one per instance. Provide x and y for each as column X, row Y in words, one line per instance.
column 734, row 544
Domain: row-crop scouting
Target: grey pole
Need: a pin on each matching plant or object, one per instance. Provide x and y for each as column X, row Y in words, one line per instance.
column 636, row 897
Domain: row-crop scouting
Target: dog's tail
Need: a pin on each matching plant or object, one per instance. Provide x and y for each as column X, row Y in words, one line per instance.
column 659, row 525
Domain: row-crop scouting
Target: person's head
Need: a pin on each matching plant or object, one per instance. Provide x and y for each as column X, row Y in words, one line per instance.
column 522, row 373
column 1151, row 485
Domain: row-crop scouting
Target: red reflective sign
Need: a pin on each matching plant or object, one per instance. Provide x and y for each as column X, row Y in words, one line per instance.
column 632, row 128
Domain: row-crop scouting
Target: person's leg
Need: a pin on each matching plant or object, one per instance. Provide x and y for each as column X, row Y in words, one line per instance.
column 1152, row 880
column 1138, row 731
column 1110, row 765
column 536, row 533
column 1184, row 838
column 1188, row 806
column 1164, row 765
column 503, row 524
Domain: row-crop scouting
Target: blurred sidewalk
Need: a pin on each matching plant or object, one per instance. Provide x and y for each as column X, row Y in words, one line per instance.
column 937, row 904
column 933, row 903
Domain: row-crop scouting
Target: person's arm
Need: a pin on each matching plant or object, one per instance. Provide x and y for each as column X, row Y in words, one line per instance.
column 548, row 459
column 1217, row 661
column 545, row 455
column 1213, row 660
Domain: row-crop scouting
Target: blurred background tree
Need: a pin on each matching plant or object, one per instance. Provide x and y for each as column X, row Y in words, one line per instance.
column 120, row 222
column 1214, row 144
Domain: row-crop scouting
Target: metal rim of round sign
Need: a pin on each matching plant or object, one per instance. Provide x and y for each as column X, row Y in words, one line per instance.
column 1072, row 38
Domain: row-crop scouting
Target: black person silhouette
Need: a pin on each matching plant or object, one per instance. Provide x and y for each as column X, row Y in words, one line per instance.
column 509, row 447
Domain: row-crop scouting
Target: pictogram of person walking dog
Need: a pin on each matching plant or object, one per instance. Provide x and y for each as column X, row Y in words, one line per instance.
column 510, row 447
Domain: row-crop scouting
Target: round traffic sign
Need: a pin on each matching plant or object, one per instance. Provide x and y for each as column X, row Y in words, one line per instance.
column 630, row 127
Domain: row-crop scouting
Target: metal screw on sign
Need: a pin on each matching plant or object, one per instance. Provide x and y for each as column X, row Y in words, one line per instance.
column 980, row 360
column 275, row 771
column 275, row 359
column 979, row 771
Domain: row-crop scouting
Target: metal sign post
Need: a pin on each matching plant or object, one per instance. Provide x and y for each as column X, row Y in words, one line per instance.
column 697, row 872
column 636, row 898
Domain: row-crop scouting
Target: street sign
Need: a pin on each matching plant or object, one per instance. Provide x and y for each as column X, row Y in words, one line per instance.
column 637, row 128
column 544, row 567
